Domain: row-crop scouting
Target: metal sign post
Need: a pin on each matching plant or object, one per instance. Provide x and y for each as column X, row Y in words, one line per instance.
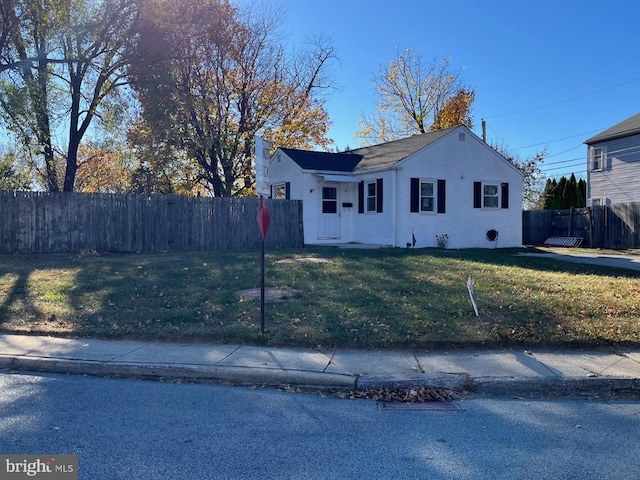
column 262, row 148
column 263, row 218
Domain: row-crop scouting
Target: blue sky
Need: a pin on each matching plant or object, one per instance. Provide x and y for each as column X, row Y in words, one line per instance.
column 546, row 73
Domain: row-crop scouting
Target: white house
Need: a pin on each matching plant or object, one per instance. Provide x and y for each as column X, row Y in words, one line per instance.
column 613, row 170
column 407, row 192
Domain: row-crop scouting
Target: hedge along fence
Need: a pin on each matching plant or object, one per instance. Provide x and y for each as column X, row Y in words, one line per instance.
column 42, row 222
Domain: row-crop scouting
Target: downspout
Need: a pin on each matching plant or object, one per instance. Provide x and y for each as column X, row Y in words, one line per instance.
column 395, row 211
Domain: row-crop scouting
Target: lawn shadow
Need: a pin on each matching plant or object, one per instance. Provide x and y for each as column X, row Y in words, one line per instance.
column 174, row 296
column 384, row 298
column 16, row 296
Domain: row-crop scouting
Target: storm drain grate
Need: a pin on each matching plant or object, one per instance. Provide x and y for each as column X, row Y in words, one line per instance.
column 430, row 405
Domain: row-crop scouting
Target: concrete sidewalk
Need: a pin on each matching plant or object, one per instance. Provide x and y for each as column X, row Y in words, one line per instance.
column 485, row 372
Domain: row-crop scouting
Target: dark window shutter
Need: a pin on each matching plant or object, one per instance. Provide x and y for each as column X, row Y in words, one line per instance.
column 361, row 197
column 287, row 188
column 505, row 195
column 477, row 194
column 379, row 195
column 415, row 195
column 442, row 196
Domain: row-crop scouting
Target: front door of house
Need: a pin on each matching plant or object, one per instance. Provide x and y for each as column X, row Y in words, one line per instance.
column 329, row 218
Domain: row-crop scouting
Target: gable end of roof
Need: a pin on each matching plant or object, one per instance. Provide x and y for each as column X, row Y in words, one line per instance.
column 386, row 155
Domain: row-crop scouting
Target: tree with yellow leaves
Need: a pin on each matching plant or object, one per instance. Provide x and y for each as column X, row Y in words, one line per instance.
column 101, row 171
column 416, row 97
column 457, row 110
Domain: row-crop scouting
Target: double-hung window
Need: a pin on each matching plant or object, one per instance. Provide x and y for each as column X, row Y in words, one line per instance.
column 597, row 158
column 490, row 195
column 372, row 195
column 427, row 196
column 280, row 191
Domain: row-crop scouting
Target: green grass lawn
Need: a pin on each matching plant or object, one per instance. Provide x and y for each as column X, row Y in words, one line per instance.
column 386, row 298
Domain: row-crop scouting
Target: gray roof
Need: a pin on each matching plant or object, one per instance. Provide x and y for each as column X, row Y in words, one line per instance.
column 367, row 158
column 390, row 153
column 310, row 160
column 626, row 128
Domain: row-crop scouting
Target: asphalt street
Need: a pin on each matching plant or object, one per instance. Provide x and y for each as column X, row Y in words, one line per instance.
column 140, row 429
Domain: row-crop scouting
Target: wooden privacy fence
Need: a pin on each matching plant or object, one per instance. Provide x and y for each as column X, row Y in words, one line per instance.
column 539, row 225
column 618, row 226
column 41, row 222
column 614, row 226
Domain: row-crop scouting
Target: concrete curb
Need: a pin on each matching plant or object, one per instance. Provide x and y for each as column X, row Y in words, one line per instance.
column 566, row 386
column 561, row 387
column 457, row 382
column 195, row 373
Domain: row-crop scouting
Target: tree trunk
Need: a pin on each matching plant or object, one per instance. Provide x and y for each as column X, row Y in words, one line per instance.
column 72, row 167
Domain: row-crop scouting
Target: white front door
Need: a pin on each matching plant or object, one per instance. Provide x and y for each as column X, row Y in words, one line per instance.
column 329, row 218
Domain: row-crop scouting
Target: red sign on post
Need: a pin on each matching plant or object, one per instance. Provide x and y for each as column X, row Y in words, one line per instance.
column 263, row 217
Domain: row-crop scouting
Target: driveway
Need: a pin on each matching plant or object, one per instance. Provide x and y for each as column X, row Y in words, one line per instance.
column 629, row 261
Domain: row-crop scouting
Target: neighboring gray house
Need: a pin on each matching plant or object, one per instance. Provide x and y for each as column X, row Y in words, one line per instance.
column 613, row 164
column 447, row 184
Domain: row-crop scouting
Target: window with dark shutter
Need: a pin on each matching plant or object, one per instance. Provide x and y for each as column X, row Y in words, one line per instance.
column 490, row 195
column 287, row 187
column 427, row 196
column 370, row 196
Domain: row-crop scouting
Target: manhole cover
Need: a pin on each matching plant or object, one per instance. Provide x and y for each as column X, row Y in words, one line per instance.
column 433, row 405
